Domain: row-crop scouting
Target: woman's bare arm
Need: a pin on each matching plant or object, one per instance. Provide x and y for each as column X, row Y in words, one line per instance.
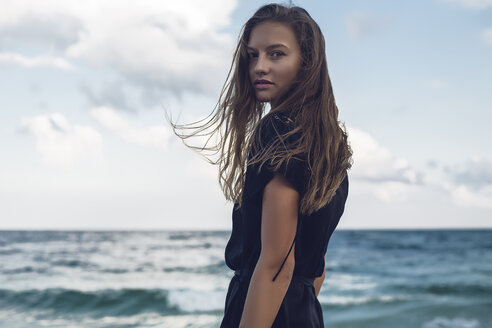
column 318, row 282
column 278, row 229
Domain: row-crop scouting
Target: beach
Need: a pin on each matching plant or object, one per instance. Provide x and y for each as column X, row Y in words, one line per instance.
column 175, row 279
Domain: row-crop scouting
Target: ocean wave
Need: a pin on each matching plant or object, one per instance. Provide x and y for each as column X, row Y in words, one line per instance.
column 213, row 268
column 181, row 236
column 26, row 269
column 193, row 301
column 9, row 251
column 360, row 300
column 143, row 320
column 105, row 302
column 71, row 263
column 116, row 270
column 388, row 246
column 443, row 322
column 449, row 289
column 474, row 290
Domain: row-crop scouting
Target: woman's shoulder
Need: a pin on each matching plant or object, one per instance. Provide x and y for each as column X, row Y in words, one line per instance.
column 283, row 118
column 274, row 130
column 275, row 124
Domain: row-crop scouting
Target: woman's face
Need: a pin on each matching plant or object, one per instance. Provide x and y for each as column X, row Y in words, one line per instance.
column 274, row 60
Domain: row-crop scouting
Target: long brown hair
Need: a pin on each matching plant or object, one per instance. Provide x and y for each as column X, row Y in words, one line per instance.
column 232, row 125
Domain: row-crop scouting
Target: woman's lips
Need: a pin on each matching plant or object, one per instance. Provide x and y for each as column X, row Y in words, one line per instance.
column 262, row 84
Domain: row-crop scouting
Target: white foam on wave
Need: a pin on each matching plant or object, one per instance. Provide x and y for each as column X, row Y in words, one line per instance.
column 123, row 254
column 158, row 321
column 357, row 300
column 349, row 282
column 93, row 281
column 196, row 300
column 443, row 322
column 190, row 321
column 143, row 320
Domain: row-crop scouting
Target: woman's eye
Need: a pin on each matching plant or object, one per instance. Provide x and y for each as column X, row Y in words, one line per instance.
column 277, row 54
column 252, row 55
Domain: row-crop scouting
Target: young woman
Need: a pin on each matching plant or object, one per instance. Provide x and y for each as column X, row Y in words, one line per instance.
column 286, row 170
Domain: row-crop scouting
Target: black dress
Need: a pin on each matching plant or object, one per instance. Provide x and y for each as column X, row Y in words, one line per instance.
column 300, row 307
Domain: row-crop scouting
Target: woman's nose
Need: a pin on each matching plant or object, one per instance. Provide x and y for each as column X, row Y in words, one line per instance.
column 261, row 66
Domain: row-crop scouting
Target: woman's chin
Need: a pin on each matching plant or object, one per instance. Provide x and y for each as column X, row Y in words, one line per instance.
column 264, row 99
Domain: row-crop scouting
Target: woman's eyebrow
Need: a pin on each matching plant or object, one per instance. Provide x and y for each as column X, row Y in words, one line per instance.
column 270, row 47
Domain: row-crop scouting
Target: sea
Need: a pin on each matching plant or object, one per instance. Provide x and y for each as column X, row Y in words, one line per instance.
column 178, row 279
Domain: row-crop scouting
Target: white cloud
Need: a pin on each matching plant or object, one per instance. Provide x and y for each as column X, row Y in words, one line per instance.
column 12, row 59
column 469, row 183
column 171, row 45
column 393, row 191
column 475, row 173
column 387, row 177
column 487, row 36
column 435, row 84
column 155, row 136
column 361, row 25
column 62, row 144
column 373, row 162
column 473, row 4
column 463, row 196
column 392, row 179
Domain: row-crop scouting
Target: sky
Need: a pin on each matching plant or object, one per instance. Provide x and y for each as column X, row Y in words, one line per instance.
column 84, row 86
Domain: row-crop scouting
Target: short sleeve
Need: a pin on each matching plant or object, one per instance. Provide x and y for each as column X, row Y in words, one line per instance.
column 295, row 169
